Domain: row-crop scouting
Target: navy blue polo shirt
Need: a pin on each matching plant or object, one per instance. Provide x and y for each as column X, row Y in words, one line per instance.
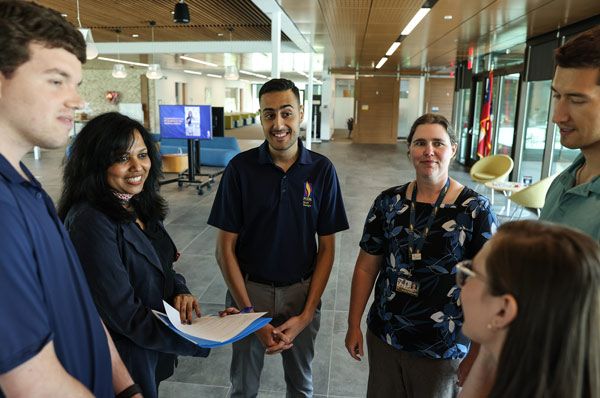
column 275, row 214
column 43, row 293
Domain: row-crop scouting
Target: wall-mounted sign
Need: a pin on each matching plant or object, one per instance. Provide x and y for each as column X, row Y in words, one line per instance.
column 364, row 108
column 435, row 109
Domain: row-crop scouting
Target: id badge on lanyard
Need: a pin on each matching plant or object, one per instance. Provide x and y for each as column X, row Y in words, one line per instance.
column 407, row 284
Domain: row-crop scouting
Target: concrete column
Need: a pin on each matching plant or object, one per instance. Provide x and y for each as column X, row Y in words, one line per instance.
column 421, row 95
column 326, row 111
column 276, row 43
column 309, row 103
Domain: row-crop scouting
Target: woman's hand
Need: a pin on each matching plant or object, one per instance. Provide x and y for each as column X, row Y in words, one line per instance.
column 229, row 311
column 354, row 342
column 186, row 304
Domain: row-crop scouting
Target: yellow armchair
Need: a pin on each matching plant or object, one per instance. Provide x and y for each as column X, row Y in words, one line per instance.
column 532, row 197
column 492, row 168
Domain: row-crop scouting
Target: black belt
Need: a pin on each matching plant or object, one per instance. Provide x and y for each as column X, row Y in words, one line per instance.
column 256, row 279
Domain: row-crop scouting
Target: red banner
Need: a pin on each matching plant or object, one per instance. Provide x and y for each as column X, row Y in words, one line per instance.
column 484, row 146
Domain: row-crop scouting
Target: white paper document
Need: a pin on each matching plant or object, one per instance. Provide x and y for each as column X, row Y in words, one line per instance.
column 213, row 327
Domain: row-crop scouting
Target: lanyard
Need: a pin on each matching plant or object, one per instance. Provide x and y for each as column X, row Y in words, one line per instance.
column 415, row 254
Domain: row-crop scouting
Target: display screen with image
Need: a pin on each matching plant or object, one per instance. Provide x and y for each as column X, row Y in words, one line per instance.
column 191, row 122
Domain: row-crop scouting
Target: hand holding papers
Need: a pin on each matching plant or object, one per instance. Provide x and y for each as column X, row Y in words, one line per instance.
column 212, row 330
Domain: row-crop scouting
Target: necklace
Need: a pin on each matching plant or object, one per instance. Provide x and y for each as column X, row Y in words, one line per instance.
column 123, row 197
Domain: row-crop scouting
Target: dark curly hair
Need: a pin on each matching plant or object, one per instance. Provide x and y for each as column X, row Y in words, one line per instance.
column 97, row 147
column 23, row 23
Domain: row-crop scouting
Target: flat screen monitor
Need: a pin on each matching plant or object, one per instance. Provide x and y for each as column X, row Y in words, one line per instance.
column 188, row 122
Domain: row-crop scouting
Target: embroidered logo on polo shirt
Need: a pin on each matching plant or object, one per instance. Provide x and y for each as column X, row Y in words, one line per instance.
column 307, row 201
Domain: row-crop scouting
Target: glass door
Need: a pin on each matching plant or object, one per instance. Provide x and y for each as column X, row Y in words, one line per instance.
column 536, row 121
column 475, row 127
column 463, row 131
column 507, row 114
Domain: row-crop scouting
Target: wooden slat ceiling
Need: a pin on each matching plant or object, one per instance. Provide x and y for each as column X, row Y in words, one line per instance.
column 349, row 33
column 208, row 19
column 360, row 32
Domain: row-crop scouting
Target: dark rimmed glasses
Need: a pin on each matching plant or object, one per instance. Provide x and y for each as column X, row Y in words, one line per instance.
column 464, row 270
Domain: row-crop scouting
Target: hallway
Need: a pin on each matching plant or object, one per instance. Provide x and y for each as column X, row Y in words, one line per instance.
column 364, row 171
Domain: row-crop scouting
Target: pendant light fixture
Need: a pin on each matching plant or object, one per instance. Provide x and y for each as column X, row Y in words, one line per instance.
column 154, row 71
column 231, row 71
column 91, row 51
column 119, row 71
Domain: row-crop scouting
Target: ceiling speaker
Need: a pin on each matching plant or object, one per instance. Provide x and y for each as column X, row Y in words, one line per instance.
column 182, row 13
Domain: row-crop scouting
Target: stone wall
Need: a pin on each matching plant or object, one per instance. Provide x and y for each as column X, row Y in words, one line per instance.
column 96, row 82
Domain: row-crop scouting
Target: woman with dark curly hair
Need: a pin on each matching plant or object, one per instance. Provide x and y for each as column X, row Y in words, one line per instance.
column 112, row 209
column 413, row 237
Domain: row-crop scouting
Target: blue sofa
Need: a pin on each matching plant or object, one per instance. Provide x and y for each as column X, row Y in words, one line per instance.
column 216, row 152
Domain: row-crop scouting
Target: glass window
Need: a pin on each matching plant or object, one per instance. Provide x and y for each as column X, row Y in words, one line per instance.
column 511, row 56
column 464, row 126
column 344, row 88
column 536, row 120
column 507, row 113
column 479, row 93
column 232, row 100
column 408, row 104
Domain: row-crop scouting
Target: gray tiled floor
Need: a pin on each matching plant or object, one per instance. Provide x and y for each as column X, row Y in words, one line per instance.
column 364, row 170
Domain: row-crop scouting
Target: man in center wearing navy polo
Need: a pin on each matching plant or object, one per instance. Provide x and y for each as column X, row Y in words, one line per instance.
column 271, row 202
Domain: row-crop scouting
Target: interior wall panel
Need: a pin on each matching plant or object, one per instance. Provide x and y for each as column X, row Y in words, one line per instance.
column 377, row 110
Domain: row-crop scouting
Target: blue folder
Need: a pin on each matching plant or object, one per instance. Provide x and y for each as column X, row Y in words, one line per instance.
column 253, row 327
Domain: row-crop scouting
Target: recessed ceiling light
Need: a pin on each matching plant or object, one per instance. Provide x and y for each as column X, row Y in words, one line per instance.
column 64, row 15
column 381, row 62
column 219, row 34
column 120, row 61
column 135, row 35
column 197, row 60
column 253, row 74
column 173, row 12
column 392, row 48
column 193, row 72
column 447, row 16
column 415, row 21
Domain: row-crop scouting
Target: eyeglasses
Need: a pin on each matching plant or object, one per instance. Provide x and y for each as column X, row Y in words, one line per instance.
column 464, row 270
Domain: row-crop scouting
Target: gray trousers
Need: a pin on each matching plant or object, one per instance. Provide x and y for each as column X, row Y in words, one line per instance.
column 397, row 373
column 247, row 359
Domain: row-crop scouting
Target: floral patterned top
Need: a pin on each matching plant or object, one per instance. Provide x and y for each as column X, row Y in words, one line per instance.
column 428, row 325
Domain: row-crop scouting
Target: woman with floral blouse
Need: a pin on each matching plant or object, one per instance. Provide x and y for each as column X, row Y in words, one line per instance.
column 413, row 237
